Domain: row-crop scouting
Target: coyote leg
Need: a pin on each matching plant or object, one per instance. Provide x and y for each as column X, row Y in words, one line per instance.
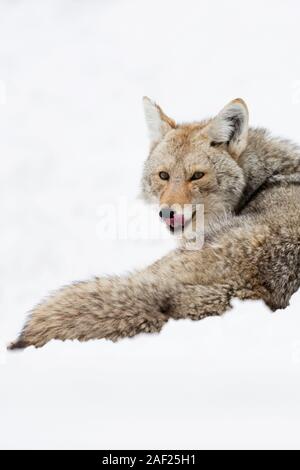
column 197, row 302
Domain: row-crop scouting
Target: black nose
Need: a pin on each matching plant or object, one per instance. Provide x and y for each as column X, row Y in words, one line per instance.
column 166, row 213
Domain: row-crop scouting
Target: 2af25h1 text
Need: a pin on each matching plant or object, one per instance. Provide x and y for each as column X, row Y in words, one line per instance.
column 150, row 459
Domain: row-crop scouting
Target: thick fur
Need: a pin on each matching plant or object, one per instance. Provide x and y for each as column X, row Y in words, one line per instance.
column 251, row 197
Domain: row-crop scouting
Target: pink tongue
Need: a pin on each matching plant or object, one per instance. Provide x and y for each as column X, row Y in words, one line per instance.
column 176, row 221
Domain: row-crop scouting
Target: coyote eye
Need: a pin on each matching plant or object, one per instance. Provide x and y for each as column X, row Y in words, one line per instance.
column 197, row 175
column 164, row 175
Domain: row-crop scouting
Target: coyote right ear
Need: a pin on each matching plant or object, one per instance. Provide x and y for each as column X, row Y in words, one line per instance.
column 157, row 121
column 231, row 127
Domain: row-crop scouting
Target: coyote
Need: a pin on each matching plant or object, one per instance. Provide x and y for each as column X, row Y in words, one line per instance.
column 248, row 184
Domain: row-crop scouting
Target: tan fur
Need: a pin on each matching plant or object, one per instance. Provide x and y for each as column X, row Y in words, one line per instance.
column 165, row 118
column 251, row 198
column 176, row 194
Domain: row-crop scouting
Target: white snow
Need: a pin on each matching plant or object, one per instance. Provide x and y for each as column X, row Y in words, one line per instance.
column 72, row 137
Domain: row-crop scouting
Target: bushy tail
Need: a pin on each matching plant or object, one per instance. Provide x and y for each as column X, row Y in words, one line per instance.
column 115, row 308
column 109, row 308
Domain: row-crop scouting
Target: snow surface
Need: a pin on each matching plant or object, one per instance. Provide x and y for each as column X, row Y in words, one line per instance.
column 72, row 136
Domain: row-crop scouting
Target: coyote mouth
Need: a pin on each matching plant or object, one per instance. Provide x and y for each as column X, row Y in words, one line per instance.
column 180, row 224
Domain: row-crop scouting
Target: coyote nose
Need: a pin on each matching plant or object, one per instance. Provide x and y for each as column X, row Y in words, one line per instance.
column 166, row 213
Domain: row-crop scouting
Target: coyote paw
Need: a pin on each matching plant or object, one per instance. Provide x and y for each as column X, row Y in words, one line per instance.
column 199, row 301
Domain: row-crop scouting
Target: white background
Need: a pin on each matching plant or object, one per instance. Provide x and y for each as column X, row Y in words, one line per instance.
column 72, row 137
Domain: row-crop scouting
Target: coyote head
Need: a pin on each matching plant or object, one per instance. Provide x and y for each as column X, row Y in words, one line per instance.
column 195, row 165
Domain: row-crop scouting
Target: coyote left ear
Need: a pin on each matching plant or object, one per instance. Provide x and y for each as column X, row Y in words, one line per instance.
column 157, row 121
column 230, row 126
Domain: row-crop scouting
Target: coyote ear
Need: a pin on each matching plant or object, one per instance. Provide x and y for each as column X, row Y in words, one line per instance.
column 157, row 121
column 230, row 126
